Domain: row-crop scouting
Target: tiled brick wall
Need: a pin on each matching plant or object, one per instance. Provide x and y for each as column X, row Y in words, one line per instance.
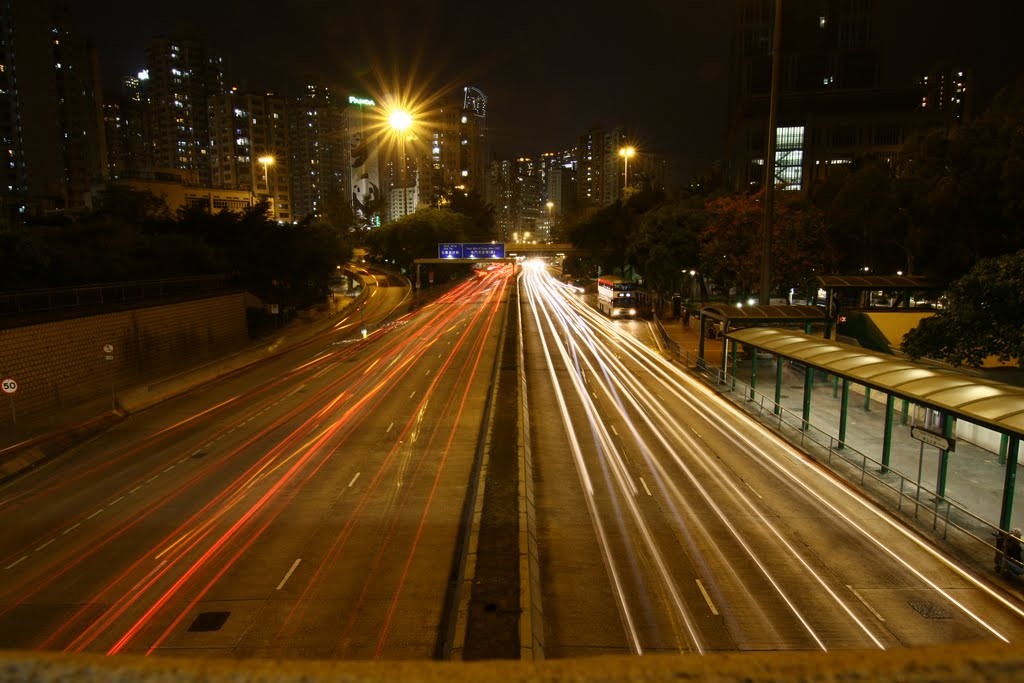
column 59, row 365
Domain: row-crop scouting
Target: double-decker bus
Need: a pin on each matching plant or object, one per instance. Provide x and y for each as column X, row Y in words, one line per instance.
column 618, row 297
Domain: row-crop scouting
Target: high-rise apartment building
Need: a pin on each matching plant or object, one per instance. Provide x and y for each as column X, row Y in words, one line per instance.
column 183, row 75
column 50, row 111
column 835, row 100
column 319, row 152
column 128, row 136
column 601, row 171
column 249, row 148
column 458, row 140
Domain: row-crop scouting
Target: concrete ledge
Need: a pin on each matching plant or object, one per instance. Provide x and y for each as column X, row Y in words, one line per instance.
column 982, row 662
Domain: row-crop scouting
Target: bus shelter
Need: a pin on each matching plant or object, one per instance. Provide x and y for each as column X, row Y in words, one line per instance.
column 843, row 289
column 953, row 396
column 724, row 318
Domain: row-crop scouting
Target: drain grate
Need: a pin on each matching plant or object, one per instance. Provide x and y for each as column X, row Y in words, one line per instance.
column 209, row 621
column 929, row 610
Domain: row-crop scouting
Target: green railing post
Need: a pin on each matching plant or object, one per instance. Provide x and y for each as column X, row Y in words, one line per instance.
column 887, row 433
column 1003, row 441
column 835, row 386
column 948, row 429
column 778, row 385
column 867, row 399
column 734, row 347
column 1010, row 480
column 904, row 412
column 753, row 373
column 808, row 387
column 844, row 405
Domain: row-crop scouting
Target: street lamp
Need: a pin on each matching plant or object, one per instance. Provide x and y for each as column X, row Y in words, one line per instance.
column 267, row 160
column 626, row 153
column 400, row 121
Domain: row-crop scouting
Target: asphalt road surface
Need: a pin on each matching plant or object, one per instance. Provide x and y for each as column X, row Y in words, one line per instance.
column 669, row 522
column 308, row 506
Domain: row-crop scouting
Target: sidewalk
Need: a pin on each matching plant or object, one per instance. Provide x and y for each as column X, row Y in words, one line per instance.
column 963, row 519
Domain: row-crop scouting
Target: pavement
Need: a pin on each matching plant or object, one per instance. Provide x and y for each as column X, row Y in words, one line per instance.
column 963, row 520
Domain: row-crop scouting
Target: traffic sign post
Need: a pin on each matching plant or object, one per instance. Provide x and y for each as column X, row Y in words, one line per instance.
column 108, row 350
column 10, row 387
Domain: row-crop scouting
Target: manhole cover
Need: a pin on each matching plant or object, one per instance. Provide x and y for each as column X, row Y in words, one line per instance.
column 929, row 610
column 209, row 621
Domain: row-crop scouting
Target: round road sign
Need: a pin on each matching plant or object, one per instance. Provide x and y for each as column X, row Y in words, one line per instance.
column 108, row 348
column 8, row 385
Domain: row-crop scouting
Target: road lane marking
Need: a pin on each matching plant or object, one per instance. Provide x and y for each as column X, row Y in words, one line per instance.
column 95, row 513
column 707, row 598
column 14, row 564
column 115, row 502
column 72, row 528
column 613, row 430
column 865, row 603
column 45, row 544
column 353, row 480
column 645, row 486
column 288, row 575
column 169, row 468
column 412, row 394
column 135, row 489
column 389, row 428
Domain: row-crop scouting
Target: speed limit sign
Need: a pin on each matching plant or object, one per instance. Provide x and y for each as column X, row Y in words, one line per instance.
column 8, row 385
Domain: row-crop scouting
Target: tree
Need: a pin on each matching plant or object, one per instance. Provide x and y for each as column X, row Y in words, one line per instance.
column 984, row 317
column 666, row 241
column 481, row 214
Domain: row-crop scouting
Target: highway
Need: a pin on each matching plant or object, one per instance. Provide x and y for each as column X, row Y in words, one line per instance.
column 307, row 506
column 669, row 522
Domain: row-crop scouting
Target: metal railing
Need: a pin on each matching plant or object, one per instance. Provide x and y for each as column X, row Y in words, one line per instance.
column 952, row 522
column 65, row 299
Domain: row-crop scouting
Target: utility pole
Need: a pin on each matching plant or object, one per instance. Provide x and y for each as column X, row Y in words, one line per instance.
column 764, row 297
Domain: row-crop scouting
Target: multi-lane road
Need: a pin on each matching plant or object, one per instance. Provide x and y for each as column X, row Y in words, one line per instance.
column 306, row 507
column 669, row 522
column 310, row 506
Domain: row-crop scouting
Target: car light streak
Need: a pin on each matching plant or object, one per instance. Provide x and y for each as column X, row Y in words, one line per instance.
column 576, row 326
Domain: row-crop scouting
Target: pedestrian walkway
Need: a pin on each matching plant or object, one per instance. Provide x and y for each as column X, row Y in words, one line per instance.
column 963, row 519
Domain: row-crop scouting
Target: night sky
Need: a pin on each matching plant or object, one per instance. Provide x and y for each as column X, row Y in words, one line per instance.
column 550, row 69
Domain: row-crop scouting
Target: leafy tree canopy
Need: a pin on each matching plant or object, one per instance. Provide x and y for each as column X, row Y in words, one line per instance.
column 984, row 317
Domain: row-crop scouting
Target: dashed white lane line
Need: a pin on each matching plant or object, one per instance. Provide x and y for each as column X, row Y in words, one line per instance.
column 865, row 602
column 353, row 480
column 45, row 544
column 71, row 528
column 169, row 468
column 707, row 598
column 288, row 575
column 95, row 513
column 412, row 394
column 389, row 428
column 135, row 489
column 115, row 502
column 613, row 430
column 14, row 564
column 645, row 486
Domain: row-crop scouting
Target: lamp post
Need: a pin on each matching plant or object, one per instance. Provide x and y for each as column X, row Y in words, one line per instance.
column 400, row 120
column 626, row 153
column 267, row 160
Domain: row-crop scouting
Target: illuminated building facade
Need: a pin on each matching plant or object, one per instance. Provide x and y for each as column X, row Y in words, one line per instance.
column 50, row 111
column 319, row 152
column 243, row 129
column 183, row 76
column 836, row 103
column 362, row 161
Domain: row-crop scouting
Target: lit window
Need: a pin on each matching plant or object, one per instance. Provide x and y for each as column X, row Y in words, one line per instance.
column 821, row 22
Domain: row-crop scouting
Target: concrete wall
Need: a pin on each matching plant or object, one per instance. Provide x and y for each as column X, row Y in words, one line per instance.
column 62, row 365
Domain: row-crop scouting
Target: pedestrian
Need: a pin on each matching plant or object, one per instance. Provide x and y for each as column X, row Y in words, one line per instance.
column 1013, row 563
column 686, row 317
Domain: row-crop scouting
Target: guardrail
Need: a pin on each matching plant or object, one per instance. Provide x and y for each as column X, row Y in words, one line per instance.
column 63, row 299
